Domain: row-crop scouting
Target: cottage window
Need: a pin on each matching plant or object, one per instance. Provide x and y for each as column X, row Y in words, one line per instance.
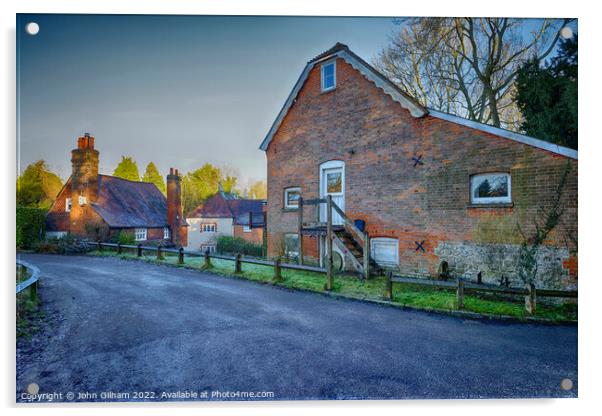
column 68, row 204
column 166, row 233
column 291, row 198
column 385, row 251
column 291, row 245
column 82, row 200
column 208, row 248
column 246, row 228
column 329, row 78
column 490, row 188
column 140, row 234
column 208, row 228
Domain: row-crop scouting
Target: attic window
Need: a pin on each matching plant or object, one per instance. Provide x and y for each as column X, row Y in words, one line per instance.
column 329, row 78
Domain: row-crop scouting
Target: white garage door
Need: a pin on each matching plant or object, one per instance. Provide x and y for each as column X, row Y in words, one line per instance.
column 385, row 251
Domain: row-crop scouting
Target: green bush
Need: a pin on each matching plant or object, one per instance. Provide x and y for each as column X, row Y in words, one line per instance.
column 67, row 244
column 233, row 245
column 31, row 226
column 126, row 238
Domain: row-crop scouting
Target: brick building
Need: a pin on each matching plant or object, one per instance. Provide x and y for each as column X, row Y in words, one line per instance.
column 430, row 187
column 225, row 214
column 101, row 206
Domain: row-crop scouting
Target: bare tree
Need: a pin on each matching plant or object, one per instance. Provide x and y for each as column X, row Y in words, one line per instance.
column 466, row 66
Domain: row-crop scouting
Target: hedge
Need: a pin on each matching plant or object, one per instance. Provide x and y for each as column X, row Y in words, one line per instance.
column 233, row 245
column 31, row 226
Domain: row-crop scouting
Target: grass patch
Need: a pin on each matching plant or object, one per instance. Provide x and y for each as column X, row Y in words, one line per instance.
column 404, row 294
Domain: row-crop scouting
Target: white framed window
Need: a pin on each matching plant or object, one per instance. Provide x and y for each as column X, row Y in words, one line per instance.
column 68, row 204
column 208, row 247
column 208, row 227
column 291, row 245
column 246, row 228
column 385, row 251
column 166, row 233
column 291, row 197
column 140, row 234
column 329, row 75
column 491, row 188
column 82, row 200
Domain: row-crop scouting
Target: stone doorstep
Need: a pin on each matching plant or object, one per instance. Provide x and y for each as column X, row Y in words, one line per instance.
column 382, row 302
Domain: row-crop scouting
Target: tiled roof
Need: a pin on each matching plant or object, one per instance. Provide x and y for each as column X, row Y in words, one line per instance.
column 123, row 203
column 226, row 205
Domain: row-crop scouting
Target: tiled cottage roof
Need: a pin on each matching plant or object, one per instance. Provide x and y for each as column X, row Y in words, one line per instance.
column 227, row 205
column 123, row 204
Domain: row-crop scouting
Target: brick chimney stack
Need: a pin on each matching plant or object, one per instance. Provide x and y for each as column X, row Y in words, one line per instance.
column 175, row 220
column 84, row 181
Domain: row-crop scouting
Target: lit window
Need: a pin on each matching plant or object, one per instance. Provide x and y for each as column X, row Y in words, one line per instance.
column 490, row 188
column 166, row 233
column 291, row 197
column 329, row 78
column 246, row 228
column 208, row 228
column 68, row 204
column 385, row 251
column 82, row 200
column 291, row 245
column 207, row 248
column 140, row 234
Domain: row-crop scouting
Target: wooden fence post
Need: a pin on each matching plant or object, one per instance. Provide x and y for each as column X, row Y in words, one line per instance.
column 159, row 254
column 389, row 292
column 207, row 260
column 237, row 264
column 98, row 245
column 366, row 256
column 460, row 294
column 277, row 271
column 139, row 251
column 300, row 230
column 118, row 248
column 531, row 298
column 181, row 255
column 328, row 243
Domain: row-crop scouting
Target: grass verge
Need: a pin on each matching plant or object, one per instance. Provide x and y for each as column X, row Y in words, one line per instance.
column 407, row 295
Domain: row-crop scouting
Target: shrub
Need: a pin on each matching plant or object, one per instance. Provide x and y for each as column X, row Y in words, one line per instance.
column 233, row 245
column 126, row 238
column 31, row 226
column 67, row 244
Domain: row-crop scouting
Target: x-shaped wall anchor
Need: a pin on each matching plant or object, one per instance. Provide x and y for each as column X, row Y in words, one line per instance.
column 420, row 246
column 417, row 160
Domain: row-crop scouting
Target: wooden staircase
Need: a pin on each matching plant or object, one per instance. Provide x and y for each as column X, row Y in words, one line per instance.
column 354, row 251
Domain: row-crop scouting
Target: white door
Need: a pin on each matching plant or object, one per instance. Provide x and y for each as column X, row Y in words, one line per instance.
column 332, row 182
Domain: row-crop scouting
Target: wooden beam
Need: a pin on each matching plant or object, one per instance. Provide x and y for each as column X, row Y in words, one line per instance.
column 366, row 256
column 300, row 230
column 329, row 242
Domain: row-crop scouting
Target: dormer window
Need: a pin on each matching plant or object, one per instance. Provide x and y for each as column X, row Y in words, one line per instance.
column 329, row 78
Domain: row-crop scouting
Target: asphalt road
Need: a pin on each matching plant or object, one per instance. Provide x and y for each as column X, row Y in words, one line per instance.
column 129, row 327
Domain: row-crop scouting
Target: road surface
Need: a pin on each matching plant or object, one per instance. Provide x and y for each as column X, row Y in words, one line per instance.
column 125, row 330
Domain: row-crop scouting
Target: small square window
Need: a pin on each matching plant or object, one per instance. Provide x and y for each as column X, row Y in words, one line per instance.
column 140, row 234
column 329, row 78
column 291, row 198
column 68, row 204
column 82, row 200
column 246, row 228
column 490, row 188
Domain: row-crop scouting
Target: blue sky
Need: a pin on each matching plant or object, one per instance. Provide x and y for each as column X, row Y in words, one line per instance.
column 176, row 90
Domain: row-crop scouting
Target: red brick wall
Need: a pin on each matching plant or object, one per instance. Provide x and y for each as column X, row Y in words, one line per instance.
column 255, row 236
column 377, row 138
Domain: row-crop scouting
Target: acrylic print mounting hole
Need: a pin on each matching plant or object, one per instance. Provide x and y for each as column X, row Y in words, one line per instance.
column 32, row 28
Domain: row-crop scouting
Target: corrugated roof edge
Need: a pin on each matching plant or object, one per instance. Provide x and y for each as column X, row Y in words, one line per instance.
column 517, row 137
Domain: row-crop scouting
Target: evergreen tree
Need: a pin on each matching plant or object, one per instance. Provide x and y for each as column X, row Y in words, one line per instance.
column 152, row 175
column 127, row 169
column 547, row 96
column 38, row 187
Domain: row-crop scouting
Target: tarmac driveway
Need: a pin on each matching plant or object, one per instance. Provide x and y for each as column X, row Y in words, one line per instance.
column 125, row 330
